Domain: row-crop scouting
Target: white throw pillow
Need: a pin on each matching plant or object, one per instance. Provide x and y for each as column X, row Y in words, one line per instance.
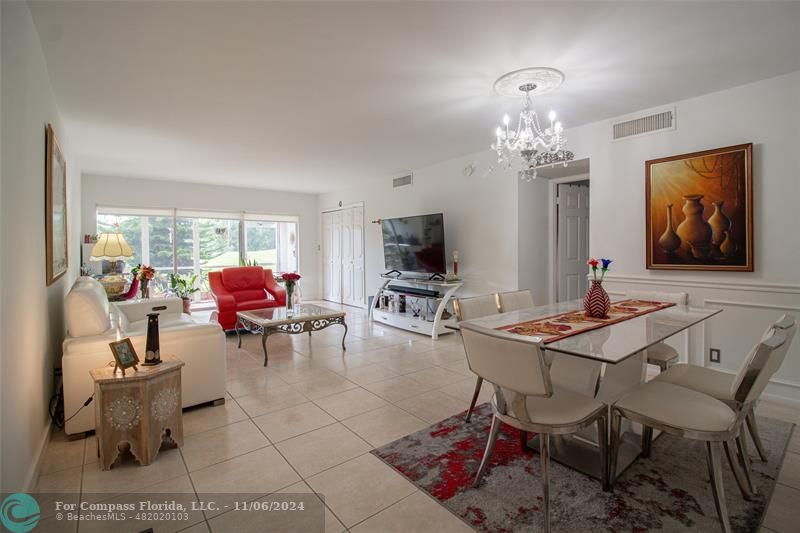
column 86, row 308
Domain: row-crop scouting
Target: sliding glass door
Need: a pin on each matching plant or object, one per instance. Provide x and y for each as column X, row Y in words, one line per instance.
column 207, row 244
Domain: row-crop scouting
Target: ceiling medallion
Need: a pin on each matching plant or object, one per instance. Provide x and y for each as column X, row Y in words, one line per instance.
column 530, row 146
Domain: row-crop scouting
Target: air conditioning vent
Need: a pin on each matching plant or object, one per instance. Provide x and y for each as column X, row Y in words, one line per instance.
column 662, row 121
column 402, row 181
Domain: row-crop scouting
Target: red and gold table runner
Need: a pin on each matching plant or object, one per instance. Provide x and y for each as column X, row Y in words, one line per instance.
column 557, row 327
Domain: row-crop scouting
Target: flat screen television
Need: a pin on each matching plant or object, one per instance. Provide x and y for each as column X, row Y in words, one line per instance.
column 414, row 244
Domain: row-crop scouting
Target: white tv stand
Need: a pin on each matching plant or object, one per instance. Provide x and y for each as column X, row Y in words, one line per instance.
column 407, row 320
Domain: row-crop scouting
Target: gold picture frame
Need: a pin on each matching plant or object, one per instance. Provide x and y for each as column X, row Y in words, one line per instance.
column 56, row 240
column 699, row 210
column 124, row 354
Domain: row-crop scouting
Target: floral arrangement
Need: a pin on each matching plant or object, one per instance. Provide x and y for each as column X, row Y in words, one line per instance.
column 290, row 277
column 594, row 263
column 144, row 272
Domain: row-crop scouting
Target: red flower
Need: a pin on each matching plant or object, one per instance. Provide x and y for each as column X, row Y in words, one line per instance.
column 593, row 263
column 290, row 276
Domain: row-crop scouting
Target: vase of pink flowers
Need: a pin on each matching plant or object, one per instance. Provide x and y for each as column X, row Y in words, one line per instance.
column 596, row 302
column 290, row 279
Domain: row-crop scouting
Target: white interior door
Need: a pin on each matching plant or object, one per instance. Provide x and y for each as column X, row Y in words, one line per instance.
column 358, row 257
column 572, row 241
column 327, row 256
column 332, row 254
column 347, row 256
column 343, row 256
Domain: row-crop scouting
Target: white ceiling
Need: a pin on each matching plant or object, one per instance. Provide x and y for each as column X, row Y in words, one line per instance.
column 316, row 96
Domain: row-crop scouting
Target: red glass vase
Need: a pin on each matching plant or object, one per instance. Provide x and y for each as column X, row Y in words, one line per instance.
column 596, row 302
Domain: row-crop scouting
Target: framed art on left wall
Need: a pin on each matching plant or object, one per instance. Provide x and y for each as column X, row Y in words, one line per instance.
column 55, row 208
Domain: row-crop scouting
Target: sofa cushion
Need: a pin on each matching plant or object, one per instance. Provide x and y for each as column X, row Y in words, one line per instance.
column 243, row 278
column 86, row 308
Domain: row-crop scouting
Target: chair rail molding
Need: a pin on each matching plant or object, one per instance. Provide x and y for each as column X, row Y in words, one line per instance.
column 729, row 303
column 782, row 288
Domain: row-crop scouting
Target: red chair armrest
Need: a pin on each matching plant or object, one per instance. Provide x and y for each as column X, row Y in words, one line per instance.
column 225, row 300
column 272, row 287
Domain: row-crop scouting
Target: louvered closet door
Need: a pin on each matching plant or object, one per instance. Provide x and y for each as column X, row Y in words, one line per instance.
column 332, row 253
column 358, row 257
column 327, row 256
column 347, row 256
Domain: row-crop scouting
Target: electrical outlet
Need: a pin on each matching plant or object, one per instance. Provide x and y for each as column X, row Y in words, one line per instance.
column 714, row 355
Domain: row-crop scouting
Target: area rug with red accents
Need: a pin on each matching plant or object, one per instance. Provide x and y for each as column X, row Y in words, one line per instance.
column 667, row 492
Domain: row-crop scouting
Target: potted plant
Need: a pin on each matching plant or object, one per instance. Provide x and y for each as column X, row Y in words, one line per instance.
column 183, row 286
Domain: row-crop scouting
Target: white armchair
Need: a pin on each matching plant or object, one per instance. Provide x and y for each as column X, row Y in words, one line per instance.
column 92, row 323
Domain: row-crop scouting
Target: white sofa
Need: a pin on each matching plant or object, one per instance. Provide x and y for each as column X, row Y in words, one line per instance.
column 92, row 323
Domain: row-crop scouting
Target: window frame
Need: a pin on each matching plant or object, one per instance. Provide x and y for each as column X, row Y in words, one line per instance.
column 174, row 213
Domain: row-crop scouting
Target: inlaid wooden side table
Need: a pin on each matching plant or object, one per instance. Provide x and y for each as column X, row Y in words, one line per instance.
column 142, row 408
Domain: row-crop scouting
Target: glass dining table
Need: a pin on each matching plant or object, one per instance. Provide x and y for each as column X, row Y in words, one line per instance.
column 604, row 363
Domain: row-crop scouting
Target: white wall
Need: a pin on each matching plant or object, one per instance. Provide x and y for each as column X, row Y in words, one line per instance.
column 533, row 238
column 766, row 113
column 500, row 225
column 480, row 219
column 135, row 192
column 32, row 314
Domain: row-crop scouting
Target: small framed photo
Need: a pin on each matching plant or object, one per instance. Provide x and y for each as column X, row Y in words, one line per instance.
column 124, row 354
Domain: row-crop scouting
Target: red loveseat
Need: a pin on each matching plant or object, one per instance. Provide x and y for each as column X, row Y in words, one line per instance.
column 242, row 289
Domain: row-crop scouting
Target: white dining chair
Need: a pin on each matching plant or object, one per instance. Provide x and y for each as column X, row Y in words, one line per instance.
column 514, row 300
column 660, row 354
column 693, row 415
column 720, row 384
column 525, row 398
column 467, row 309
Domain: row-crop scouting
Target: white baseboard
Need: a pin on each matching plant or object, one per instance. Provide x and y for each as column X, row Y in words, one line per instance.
column 36, row 467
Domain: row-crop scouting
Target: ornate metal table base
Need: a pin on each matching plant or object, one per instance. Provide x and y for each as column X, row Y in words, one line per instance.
column 293, row 328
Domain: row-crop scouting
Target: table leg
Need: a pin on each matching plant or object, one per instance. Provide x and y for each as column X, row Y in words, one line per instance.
column 264, row 345
column 238, row 336
column 345, row 334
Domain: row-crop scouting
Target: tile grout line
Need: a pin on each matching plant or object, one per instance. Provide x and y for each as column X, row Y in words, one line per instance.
column 302, row 478
column 194, row 488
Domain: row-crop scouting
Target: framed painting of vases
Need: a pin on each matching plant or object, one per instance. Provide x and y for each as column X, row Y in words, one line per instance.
column 699, row 210
column 55, row 208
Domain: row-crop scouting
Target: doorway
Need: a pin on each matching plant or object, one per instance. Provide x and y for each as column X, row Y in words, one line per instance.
column 343, row 255
column 572, row 240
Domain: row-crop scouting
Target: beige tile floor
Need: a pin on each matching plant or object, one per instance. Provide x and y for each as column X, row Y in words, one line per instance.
column 307, row 423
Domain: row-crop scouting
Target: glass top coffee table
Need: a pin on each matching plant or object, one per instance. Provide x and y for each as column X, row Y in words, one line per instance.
column 302, row 318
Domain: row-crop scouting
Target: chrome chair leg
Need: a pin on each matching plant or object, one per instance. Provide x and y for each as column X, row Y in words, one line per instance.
column 733, row 461
column 478, row 385
column 744, row 459
column 751, row 425
column 647, row 441
column 715, row 473
column 487, row 454
column 602, row 438
column 616, row 422
column 544, row 453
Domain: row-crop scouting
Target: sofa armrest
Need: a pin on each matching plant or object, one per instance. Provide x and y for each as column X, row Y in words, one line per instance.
column 272, row 287
column 136, row 310
column 224, row 299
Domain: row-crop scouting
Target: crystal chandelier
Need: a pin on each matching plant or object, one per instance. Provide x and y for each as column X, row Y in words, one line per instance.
column 530, row 146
